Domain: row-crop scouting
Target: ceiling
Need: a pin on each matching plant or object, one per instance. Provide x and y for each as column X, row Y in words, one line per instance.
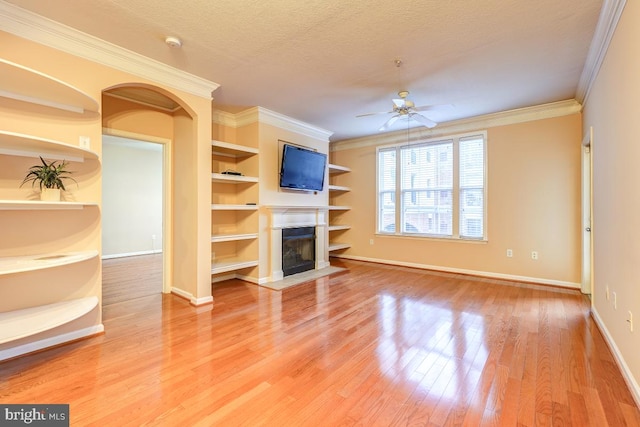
column 325, row 61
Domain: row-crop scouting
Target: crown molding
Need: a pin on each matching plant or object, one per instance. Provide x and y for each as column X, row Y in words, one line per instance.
column 264, row 116
column 607, row 22
column 44, row 31
column 520, row 115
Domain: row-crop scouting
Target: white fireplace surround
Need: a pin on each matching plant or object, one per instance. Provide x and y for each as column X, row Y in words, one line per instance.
column 297, row 216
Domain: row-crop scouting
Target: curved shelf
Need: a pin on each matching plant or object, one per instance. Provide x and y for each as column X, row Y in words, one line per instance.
column 28, row 205
column 28, row 85
column 339, row 208
column 338, row 188
column 228, row 149
column 10, row 265
column 18, row 324
column 232, row 179
column 17, row 144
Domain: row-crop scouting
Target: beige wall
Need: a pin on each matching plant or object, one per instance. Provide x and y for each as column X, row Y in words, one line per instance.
column 612, row 109
column 533, row 205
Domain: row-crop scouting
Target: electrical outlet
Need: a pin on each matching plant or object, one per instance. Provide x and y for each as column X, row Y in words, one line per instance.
column 371, row 241
column 509, row 253
column 607, row 293
column 615, row 300
column 534, row 255
column 630, row 321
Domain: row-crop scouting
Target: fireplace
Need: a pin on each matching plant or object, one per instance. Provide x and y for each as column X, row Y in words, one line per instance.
column 298, row 250
column 282, row 220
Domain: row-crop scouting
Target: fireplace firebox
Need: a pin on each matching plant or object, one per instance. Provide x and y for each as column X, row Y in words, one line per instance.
column 298, row 250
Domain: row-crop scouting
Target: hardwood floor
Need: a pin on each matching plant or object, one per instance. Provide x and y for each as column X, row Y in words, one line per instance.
column 131, row 277
column 373, row 346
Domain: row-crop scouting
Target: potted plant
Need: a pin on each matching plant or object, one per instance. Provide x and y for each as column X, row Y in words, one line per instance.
column 49, row 177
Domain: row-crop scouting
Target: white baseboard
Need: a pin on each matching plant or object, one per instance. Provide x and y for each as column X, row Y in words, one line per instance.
column 622, row 365
column 488, row 274
column 192, row 299
column 50, row 342
column 128, row 254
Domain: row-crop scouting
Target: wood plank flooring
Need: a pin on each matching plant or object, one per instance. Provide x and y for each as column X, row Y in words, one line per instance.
column 132, row 277
column 372, row 346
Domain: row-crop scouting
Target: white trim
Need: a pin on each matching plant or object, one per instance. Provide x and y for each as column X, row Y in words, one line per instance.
column 201, row 301
column 607, row 22
column 50, row 342
column 189, row 296
column 622, row 365
column 488, row 274
column 520, row 115
column 265, row 116
column 36, row 28
column 130, row 254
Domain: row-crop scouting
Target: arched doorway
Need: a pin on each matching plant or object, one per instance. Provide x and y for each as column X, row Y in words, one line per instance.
column 143, row 114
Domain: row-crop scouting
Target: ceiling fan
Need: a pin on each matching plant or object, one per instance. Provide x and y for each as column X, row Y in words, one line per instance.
column 404, row 108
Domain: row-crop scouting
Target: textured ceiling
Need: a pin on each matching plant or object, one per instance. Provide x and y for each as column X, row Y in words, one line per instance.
column 325, row 61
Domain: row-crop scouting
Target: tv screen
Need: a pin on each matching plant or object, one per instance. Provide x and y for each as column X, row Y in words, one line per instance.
column 302, row 169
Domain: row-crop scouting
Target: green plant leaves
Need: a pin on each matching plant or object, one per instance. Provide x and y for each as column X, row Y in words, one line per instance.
column 48, row 175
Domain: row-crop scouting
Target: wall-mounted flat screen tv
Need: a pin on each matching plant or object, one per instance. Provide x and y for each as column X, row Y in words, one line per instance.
column 302, row 169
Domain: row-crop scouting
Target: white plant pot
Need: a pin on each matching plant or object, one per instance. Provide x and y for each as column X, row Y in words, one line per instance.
column 50, row 195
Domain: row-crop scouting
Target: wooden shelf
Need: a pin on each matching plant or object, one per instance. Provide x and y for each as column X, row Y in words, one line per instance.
column 232, row 179
column 28, row 205
column 228, row 149
column 223, row 207
column 338, row 188
column 233, row 237
column 18, row 324
column 16, row 144
column 338, row 169
column 10, row 265
column 231, row 264
column 339, row 208
column 28, row 85
column 338, row 227
column 338, row 246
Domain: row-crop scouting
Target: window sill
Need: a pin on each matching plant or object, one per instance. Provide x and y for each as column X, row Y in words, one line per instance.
column 433, row 238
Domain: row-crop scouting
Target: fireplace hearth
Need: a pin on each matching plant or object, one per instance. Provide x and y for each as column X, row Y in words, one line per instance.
column 298, row 250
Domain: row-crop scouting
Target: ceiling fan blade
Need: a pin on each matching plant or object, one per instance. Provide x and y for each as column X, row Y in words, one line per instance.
column 434, row 107
column 389, row 122
column 423, row 120
column 373, row 114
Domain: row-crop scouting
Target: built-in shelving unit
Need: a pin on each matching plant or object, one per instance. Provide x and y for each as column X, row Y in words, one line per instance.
column 17, row 144
column 234, row 211
column 336, row 209
column 11, row 265
column 27, row 205
column 26, row 85
column 18, row 324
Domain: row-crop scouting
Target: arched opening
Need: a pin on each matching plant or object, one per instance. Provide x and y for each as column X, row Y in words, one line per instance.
column 147, row 119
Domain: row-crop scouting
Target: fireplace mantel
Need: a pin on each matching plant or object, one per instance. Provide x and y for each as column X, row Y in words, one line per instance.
column 297, row 216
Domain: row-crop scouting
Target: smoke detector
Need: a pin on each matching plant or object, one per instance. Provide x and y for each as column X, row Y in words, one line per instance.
column 173, row 42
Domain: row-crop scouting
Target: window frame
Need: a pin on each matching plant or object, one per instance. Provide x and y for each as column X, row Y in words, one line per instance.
column 455, row 191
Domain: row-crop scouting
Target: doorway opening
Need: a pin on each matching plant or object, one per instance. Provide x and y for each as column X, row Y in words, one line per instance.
column 132, row 218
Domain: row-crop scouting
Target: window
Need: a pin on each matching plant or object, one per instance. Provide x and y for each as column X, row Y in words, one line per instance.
column 440, row 186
